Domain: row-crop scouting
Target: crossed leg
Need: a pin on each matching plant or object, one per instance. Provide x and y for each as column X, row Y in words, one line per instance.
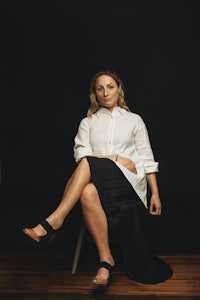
column 72, row 192
column 79, row 187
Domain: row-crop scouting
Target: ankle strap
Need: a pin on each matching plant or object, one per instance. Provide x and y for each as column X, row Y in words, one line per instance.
column 104, row 264
column 47, row 226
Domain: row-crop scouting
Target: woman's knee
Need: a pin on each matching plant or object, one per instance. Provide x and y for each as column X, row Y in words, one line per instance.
column 89, row 193
column 84, row 162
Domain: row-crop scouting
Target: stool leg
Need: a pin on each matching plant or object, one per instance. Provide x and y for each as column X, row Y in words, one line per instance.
column 78, row 248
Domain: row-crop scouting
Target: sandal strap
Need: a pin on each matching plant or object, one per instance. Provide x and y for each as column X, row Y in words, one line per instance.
column 47, row 226
column 104, row 264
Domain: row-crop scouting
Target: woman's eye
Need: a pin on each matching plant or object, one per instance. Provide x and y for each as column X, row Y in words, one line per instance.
column 98, row 89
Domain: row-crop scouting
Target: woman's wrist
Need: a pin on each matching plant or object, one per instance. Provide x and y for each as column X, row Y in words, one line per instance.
column 114, row 157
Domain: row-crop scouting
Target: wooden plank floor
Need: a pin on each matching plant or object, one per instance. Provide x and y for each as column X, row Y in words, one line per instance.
column 48, row 274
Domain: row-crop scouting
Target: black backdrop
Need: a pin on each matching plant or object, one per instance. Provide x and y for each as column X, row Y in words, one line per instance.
column 50, row 51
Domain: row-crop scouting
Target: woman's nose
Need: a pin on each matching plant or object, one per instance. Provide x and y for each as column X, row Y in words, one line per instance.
column 105, row 92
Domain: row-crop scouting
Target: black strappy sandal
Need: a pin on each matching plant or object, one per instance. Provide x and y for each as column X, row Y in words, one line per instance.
column 102, row 282
column 51, row 233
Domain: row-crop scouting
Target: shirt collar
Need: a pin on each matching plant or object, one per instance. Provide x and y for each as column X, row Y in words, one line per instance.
column 116, row 111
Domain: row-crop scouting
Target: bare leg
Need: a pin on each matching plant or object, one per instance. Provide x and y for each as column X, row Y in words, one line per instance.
column 97, row 224
column 79, row 179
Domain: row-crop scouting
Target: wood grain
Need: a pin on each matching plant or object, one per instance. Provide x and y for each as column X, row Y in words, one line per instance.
column 45, row 273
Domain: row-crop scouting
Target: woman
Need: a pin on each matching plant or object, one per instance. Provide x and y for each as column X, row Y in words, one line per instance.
column 115, row 167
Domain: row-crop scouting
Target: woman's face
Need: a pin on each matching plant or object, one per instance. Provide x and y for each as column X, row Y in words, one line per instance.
column 107, row 91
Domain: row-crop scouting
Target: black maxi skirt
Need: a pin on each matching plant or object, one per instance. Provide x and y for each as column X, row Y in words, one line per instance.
column 128, row 220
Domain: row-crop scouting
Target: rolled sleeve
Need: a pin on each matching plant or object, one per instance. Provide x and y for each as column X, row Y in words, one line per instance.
column 151, row 167
column 144, row 149
column 82, row 145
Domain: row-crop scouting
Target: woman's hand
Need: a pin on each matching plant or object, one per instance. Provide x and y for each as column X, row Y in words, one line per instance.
column 155, row 205
column 127, row 163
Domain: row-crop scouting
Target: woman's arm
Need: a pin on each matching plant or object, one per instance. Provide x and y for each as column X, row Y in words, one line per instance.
column 155, row 203
column 143, row 147
column 126, row 162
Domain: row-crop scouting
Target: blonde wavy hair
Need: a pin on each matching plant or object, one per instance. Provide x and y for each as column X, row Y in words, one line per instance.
column 95, row 105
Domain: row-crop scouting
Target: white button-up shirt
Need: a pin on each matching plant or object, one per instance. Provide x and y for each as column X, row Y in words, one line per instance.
column 120, row 132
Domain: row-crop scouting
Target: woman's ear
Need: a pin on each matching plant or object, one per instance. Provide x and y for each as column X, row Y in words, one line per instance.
column 120, row 88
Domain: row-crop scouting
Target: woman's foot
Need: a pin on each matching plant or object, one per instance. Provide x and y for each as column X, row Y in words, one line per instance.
column 37, row 231
column 42, row 232
column 104, row 273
